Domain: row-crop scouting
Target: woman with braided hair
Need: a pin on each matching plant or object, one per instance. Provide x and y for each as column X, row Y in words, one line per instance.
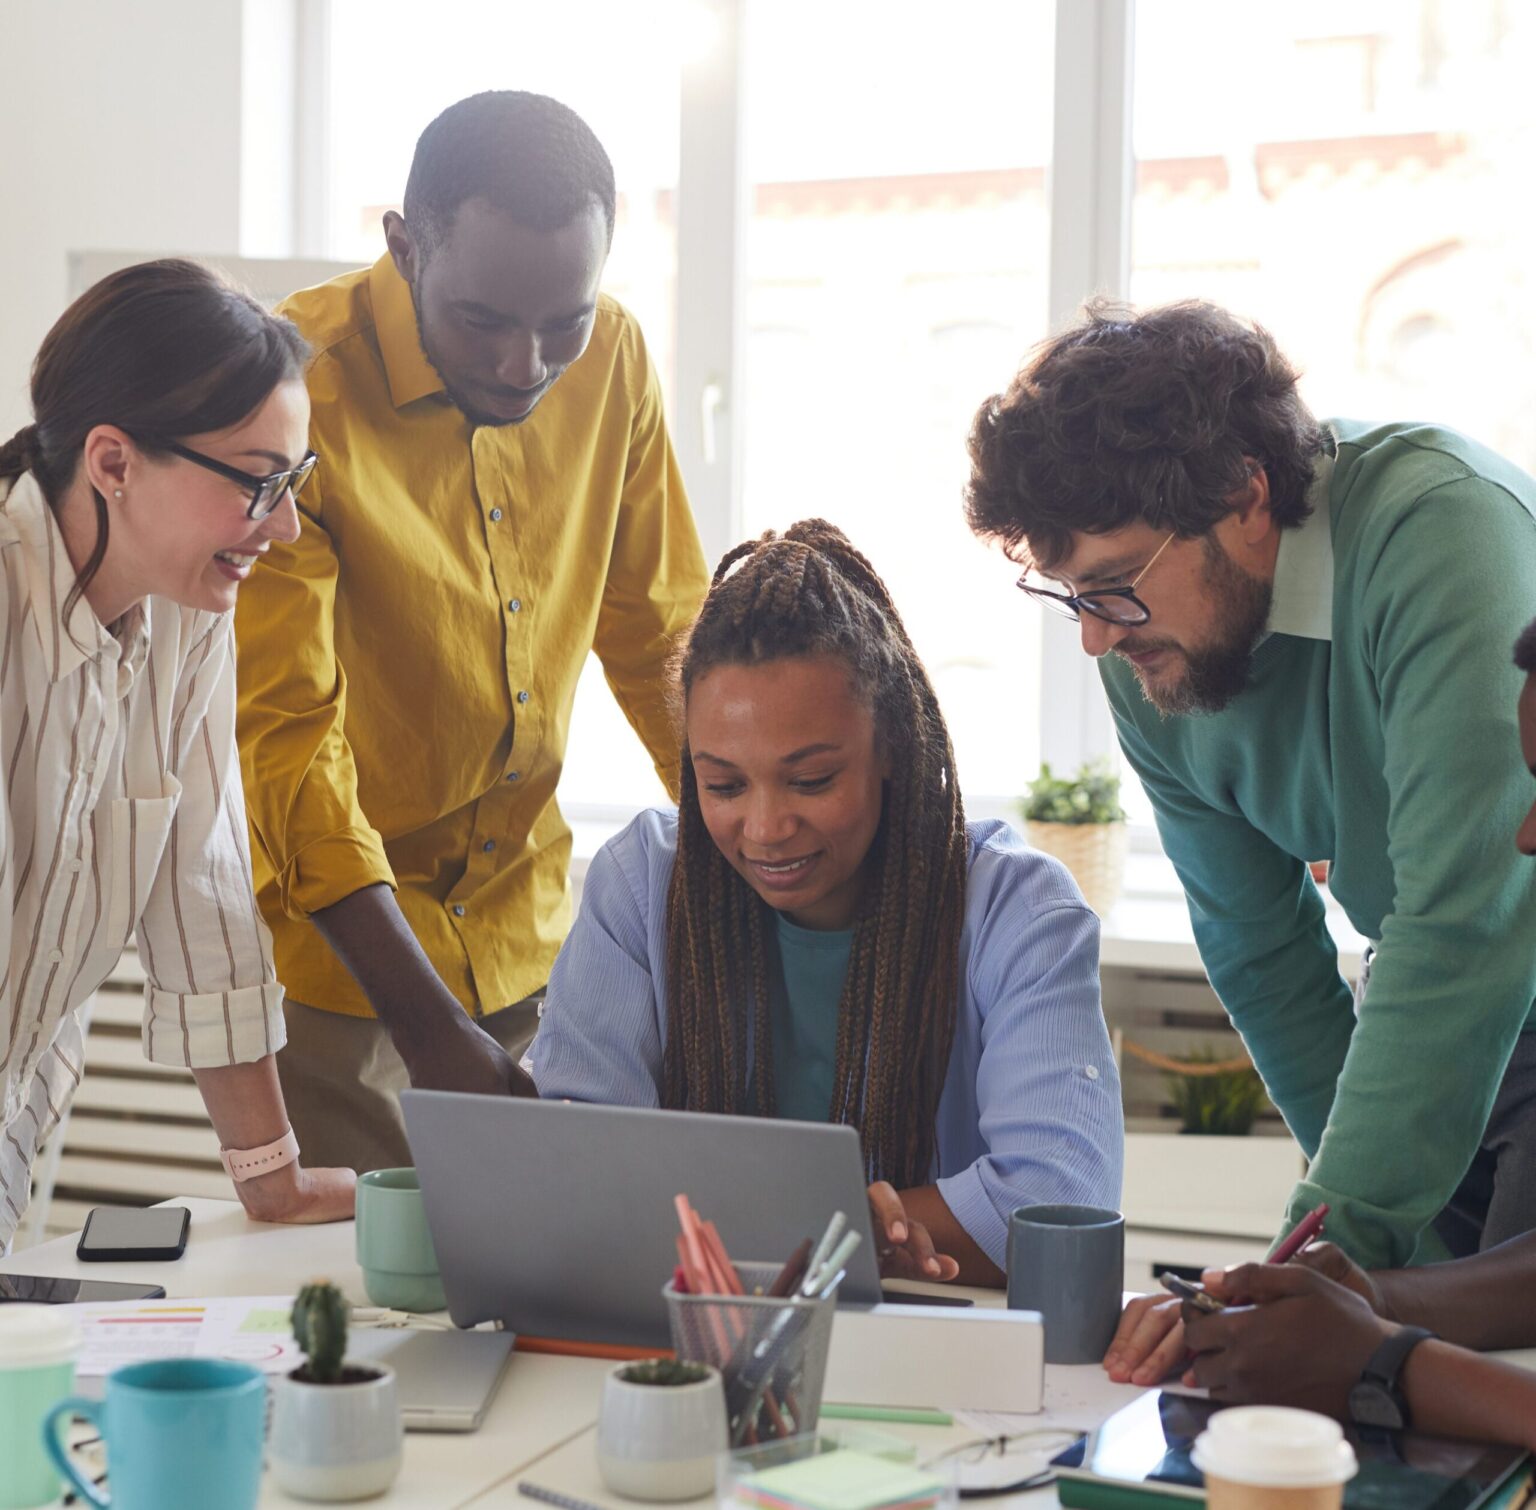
column 819, row 934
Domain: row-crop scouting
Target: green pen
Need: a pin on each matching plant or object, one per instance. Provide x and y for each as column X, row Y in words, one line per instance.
column 892, row 1415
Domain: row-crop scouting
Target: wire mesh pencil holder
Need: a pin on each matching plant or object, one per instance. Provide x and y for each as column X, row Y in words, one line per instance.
column 771, row 1353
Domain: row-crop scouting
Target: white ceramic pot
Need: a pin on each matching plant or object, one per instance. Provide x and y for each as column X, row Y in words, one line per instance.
column 336, row 1441
column 660, row 1441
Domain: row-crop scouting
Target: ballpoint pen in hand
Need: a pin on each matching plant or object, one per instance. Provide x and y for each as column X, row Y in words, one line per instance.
column 1309, row 1227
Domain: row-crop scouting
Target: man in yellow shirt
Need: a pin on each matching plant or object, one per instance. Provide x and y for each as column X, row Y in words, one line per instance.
column 497, row 496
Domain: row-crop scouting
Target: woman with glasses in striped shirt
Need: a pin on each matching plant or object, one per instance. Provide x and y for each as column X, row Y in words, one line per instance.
column 170, row 438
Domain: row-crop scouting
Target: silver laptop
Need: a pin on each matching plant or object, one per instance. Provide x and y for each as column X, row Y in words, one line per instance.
column 556, row 1218
column 444, row 1380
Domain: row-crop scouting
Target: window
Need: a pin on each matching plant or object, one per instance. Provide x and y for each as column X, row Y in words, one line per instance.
column 896, row 272
column 1367, row 203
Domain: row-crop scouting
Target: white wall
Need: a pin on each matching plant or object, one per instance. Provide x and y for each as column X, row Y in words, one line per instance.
column 120, row 127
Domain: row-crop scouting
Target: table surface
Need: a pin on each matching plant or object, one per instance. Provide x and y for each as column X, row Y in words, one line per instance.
column 539, row 1426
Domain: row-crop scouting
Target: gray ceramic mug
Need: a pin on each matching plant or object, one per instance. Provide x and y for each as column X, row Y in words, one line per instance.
column 1068, row 1263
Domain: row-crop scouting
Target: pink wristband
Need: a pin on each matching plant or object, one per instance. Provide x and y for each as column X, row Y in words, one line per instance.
column 246, row 1164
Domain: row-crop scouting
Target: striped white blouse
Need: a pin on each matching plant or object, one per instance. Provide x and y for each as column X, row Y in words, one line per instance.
column 123, row 811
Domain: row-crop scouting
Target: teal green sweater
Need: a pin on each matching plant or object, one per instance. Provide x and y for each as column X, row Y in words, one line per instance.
column 1392, row 750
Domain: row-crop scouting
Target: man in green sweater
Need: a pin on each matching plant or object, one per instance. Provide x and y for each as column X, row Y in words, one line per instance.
column 1303, row 629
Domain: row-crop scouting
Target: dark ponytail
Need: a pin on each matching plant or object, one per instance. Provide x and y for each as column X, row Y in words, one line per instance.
column 164, row 350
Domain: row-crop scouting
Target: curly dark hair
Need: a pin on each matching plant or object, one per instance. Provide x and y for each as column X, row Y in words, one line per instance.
column 530, row 156
column 1129, row 417
column 1525, row 650
column 808, row 592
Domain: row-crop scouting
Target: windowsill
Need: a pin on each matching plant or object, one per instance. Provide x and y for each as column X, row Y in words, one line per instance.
column 1148, row 929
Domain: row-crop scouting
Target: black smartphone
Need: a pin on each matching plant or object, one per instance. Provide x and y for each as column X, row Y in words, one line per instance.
column 923, row 1298
column 115, row 1233
column 55, row 1290
column 1197, row 1295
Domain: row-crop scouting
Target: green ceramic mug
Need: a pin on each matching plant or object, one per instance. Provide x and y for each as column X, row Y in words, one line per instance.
column 394, row 1247
column 38, row 1347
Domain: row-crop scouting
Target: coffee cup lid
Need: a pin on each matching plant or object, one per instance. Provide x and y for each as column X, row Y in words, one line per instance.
column 36, row 1336
column 1275, row 1447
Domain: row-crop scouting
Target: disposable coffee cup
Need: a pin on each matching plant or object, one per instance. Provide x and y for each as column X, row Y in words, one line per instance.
column 38, row 1348
column 1269, row 1457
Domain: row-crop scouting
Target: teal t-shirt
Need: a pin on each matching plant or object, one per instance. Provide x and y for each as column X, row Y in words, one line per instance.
column 813, row 965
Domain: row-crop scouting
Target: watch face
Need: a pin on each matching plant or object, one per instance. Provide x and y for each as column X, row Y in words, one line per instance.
column 1371, row 1404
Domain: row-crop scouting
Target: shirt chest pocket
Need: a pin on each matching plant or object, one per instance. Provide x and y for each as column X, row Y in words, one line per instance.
column 141, row 827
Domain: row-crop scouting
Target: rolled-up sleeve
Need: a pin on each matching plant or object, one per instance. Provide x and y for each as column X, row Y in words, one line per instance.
column 211, row 997
column 1047, row 1089
column 298, row 767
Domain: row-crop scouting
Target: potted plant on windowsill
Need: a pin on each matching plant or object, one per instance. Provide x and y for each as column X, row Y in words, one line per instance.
column 1079, row 820
column 661, row 1425
column 336, row 1432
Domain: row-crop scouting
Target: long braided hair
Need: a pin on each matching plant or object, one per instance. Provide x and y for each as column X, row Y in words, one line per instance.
column 808, row 592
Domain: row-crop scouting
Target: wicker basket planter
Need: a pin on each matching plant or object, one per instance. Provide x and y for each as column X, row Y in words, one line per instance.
column 1093, row 852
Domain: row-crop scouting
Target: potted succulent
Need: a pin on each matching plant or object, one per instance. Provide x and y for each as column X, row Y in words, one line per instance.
column 336, row 1432
column 1079, row 820
column 660, row 1428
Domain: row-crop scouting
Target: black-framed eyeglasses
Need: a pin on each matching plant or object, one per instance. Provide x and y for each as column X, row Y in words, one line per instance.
column 266, row 492
column 1115, row 605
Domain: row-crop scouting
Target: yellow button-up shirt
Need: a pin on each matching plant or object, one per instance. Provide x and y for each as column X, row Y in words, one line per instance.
column 407, row 667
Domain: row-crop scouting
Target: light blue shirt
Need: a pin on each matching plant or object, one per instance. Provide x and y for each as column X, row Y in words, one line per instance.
column 1030, row 1110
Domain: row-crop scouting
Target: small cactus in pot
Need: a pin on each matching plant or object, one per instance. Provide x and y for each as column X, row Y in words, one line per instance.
column 336, row 1430
column 320, row 1316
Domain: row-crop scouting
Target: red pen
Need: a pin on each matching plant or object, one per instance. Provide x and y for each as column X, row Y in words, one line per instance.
column 1310, row 1226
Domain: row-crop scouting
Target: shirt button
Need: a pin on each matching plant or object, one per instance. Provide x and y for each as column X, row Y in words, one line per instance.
column 515, row 605
column 488, row 846
column 522, row 697
column 458, row 910
column 495, row 516
column 514, row 775
column 1091, row 1071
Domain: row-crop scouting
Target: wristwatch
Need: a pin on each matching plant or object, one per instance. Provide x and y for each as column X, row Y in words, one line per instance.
column 247, row 1163
column 1377, row 1400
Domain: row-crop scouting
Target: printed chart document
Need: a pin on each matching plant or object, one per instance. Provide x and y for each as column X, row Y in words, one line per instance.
column 251, row 1329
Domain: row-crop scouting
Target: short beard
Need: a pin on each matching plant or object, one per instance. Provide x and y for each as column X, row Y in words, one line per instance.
column 477, row 417
column 1216, row 672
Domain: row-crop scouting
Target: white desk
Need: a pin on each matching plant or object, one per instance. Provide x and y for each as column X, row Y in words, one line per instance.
column 540, row 1424
column 542, row 1402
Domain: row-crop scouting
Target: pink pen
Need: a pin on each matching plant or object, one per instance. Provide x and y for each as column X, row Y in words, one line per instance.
column 1310, row 1226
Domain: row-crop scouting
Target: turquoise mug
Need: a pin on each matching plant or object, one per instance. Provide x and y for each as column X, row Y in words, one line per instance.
column 394, row 1245
column 38, row 1346
column 174, row 1429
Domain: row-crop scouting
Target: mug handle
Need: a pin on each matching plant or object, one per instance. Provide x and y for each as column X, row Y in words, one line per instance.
column 53, row 1425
